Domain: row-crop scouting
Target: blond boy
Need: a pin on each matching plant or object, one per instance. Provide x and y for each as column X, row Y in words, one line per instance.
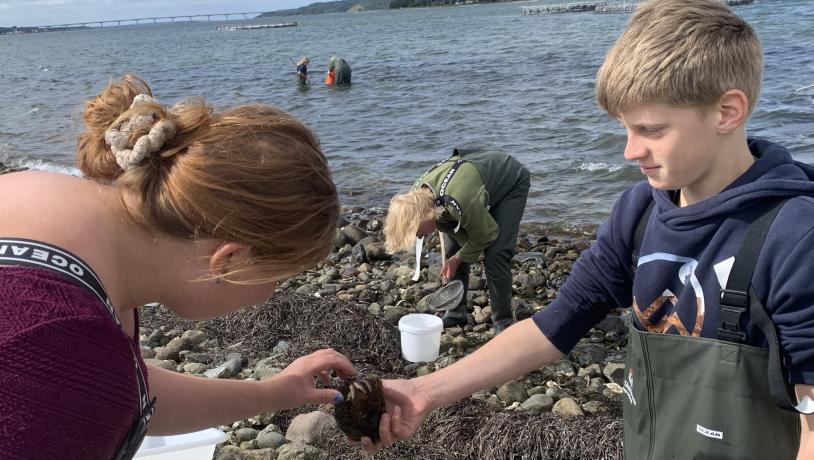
column 682, row 80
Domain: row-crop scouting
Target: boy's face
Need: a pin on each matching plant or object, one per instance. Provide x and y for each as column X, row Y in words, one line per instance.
column 675, row 147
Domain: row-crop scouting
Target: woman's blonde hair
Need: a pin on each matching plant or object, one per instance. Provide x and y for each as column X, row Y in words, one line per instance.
column 304, row 60
column 407, row 211
column 254, row 175
column 682, row 53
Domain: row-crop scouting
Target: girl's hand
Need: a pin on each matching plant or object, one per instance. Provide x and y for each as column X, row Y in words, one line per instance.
column 406, row 408
column 296, row 384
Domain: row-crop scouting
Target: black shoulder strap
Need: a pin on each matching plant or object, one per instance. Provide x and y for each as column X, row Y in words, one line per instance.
column 638, row 236
column 739, row 295
column 734, row 298
column 443, row 199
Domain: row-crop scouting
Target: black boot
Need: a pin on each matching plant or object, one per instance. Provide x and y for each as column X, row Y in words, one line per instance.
column 455, row 317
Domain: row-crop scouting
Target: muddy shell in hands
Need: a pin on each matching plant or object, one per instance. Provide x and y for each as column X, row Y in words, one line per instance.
column 358, row 415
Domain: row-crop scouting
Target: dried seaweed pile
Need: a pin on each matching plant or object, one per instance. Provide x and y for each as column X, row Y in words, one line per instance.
column 307, row 323
column 473, row 429
column 469, row 429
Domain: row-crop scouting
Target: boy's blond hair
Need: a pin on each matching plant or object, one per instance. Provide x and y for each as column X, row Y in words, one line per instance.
column 407, row 211
column 684, row 53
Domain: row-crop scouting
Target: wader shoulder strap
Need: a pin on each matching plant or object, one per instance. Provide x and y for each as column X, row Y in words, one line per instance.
column 739, row 295
column 638, row 236
column 443, row 199
column 734, row 298
column 420, row 180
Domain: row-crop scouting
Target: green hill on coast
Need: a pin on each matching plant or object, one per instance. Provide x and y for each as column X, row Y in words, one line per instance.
column 339, row 6
column 342, row 6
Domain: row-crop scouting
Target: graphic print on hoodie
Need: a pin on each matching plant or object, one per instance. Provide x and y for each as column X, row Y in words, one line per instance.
column 685, row 258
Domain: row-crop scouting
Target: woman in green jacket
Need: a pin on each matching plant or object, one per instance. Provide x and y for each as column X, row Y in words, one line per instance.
column 476, row 198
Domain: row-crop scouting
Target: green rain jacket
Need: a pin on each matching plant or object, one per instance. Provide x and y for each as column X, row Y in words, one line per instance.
column 483, row 178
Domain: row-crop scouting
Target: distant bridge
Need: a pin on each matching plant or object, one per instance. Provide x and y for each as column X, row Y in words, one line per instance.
column 154, row 20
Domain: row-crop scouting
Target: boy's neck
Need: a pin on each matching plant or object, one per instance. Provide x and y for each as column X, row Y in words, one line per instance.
column 733, row 159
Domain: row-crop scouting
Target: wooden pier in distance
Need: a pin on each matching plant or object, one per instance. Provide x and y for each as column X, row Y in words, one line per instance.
column 597, row 7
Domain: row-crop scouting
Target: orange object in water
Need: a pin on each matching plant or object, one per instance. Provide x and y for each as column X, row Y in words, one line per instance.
column 330, row 78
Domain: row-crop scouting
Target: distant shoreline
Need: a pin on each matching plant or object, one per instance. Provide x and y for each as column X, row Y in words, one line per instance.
column 350, row 6
column 36, row 30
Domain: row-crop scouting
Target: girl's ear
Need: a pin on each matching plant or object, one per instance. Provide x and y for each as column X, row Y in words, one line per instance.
column 225, row 254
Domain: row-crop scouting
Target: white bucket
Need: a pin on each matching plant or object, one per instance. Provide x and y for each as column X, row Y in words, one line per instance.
column 199, row 445
column 420, row 337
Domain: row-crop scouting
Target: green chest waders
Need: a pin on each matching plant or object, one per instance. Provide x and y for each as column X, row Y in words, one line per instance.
column 696, row 398
column 701, row 398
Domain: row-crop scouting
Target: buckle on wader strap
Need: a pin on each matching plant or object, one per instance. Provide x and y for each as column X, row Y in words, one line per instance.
column 733, row 305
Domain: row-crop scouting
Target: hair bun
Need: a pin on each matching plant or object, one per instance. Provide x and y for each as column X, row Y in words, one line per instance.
column 132, row 124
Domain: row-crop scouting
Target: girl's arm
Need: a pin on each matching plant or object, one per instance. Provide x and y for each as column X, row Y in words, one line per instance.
column 186, row 403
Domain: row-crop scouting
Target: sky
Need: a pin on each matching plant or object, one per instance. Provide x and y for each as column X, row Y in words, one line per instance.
column 48, row 12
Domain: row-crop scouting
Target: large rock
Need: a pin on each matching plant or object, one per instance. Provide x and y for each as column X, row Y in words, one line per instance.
column 393, row 315
column 538, row 403
column 376, row 251
column 358, row 252
column 354, row 234
column 313, row 428
column 567, row 406
column 172, row 349
column 511, row 392
column 561, row 368
column 586, row 354
column 615, row 372
column 269, row 439
column 194, row 337
column 266, row 368
column 228, row 369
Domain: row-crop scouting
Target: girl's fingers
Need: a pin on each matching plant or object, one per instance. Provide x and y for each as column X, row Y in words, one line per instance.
column 326, row 379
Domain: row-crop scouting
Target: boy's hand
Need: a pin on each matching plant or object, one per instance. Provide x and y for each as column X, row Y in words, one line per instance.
column 449, row 268
column 295, row 385
column 406, row 408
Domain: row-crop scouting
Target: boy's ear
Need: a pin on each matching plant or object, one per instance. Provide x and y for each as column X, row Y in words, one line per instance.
column 224, row 255
column 733, row 110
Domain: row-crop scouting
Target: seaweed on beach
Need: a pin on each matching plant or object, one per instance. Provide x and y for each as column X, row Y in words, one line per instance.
column 474, row 429
column 468, row 429
column 306, row 323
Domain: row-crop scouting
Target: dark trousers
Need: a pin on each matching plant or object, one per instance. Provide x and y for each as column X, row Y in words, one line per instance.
column 343, row 75
column 498, row 256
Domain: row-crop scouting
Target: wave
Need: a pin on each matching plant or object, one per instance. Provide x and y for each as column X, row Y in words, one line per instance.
column 37, row 164
column 592, row 166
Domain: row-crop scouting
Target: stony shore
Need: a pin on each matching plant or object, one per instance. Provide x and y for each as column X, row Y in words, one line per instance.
column 353, row 301
column 570, row 409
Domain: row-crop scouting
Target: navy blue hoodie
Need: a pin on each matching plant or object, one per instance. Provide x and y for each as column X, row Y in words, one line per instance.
column 685, row 259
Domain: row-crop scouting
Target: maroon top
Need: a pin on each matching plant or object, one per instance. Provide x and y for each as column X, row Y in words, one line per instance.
column 67, row 380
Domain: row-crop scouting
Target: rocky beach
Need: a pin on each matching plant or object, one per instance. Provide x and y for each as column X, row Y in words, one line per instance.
column 352, row 302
